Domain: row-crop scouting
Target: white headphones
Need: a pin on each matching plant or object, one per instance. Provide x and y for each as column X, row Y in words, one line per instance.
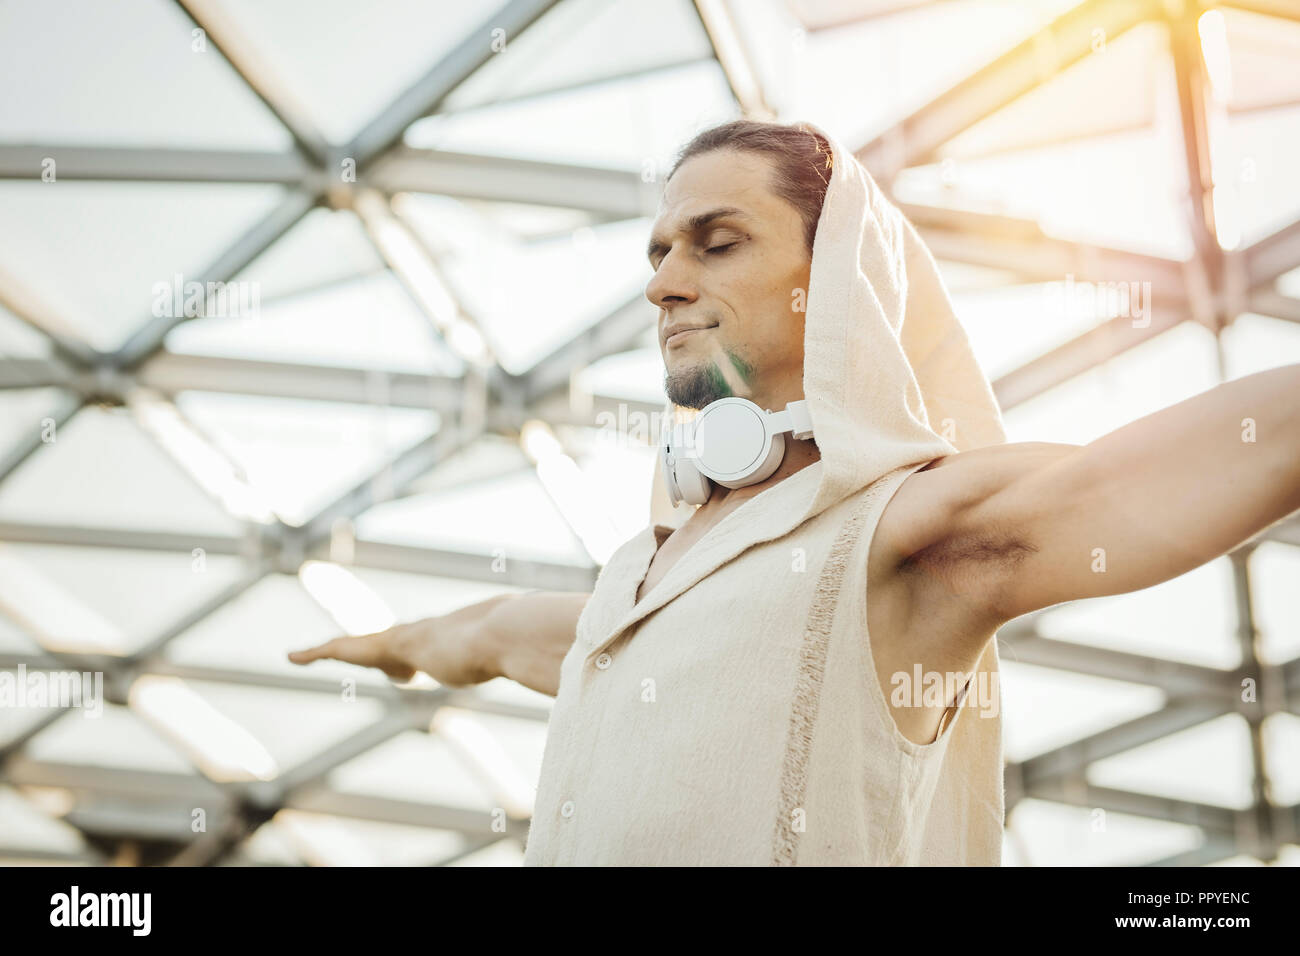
column 732, row 442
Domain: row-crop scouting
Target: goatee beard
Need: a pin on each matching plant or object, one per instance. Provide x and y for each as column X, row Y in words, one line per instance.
column 697, row 386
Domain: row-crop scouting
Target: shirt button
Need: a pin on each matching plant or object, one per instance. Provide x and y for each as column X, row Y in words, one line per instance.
column 566, row 809
column 603, row 661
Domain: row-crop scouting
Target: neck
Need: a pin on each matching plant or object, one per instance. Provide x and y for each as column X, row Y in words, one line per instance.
column 799, row 454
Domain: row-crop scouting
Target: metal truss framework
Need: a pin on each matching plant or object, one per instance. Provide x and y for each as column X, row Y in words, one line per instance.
column 126, row 813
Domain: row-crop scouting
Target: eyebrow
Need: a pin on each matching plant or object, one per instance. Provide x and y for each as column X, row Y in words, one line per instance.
column 694, row 224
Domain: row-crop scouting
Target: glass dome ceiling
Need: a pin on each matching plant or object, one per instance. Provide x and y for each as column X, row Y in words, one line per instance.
column 439, row 211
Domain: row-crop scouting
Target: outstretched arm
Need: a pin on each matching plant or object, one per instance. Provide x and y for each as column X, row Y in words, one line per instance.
column 1037, row 524
column 520, row 636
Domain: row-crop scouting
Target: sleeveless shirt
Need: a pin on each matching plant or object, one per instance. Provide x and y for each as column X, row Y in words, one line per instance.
column 733, row 716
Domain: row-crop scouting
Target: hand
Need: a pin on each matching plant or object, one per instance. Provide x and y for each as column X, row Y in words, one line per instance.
column 442, row 647
column 366, row 650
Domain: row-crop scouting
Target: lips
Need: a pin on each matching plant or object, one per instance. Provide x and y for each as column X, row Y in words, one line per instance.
column 680, row 335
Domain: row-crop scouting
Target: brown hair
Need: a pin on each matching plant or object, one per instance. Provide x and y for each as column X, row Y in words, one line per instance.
column 801, row 168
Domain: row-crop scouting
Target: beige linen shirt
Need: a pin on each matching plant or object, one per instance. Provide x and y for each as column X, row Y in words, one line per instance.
column 734, row 716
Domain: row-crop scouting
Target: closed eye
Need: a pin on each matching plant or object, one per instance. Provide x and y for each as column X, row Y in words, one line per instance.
column 720, row 250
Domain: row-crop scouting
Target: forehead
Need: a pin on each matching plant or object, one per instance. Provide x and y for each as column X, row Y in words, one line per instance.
column 729, row 178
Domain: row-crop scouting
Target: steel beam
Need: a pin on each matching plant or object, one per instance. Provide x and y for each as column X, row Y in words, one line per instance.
column 735, row 61
column 1213, row 850
column 390, row 480
column 1008, row 77
column 417, row 270
column 316, row 768
column 252, row 575
column 171, row 373
column 472, row 823
column 257, row 69
column 1274, row 304
column 18, row 372
column 379, row 555
column 149, row 338
column 455, row 66
column 1193, row 85
column 1272, row 256
column 214, row 846
column 461, row 104
column 1176, row 678
column 1072, row 759
column 30, row 309
column 137, row 816
column 135, row 164
column 1217, row 820
column 413, row 698
column 418, row 699
column 516, row 572
column 1270, row 683
column 1081, row 354
column 561, row 408
column 14, row 745
column 191, row 789
column 34, row 437
column 1091, row 134
column 89, row 856
column 126, row 538
column 609, row 192
column 1021, row 247
column 187, row 792
column 620, row 330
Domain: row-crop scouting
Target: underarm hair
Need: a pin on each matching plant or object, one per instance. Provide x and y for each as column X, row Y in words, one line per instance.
column 948, row 557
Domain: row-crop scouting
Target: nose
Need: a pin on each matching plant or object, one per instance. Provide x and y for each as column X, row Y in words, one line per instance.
column 673, row 283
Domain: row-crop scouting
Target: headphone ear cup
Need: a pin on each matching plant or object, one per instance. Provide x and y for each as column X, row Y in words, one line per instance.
column 669, row 477
column 683, row 480
column 695, row 487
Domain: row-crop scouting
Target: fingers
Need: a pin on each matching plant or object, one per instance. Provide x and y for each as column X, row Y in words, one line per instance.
column 304, row 657
column 364, row 651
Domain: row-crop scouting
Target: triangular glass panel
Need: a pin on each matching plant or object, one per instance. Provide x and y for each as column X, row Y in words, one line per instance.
column 105, row 258
column 65, row 482
column 155, row 82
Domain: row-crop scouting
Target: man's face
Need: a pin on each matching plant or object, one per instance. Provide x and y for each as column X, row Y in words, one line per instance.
column 733, row 278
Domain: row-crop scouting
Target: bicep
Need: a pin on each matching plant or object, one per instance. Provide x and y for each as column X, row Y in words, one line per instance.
column 1022, row 527
column 956, row 547
column 1145, row 503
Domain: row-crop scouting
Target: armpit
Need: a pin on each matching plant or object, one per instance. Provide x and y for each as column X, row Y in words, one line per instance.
column 967, row 565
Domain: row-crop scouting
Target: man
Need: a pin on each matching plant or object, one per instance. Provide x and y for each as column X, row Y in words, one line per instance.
column 739, row 688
